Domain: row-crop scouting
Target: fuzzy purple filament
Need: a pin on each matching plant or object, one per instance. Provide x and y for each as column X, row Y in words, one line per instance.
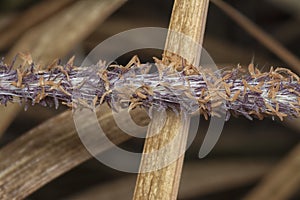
column 252, row 94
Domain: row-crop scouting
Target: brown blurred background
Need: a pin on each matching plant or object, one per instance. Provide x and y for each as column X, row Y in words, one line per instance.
column 246, row 151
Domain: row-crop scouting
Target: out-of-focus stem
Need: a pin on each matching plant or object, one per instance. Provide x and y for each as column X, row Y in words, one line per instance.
column 263, row 37
column 281, row 182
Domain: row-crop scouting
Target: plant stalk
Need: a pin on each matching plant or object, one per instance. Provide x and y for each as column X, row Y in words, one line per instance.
column 189, row 18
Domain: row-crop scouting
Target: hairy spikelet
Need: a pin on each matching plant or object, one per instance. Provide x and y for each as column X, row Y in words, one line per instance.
column 175, row 85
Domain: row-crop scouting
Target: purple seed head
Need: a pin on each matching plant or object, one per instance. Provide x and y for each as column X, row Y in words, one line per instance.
column 175, row 85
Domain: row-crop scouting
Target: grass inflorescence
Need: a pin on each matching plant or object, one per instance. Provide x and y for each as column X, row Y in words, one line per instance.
column 176, row 84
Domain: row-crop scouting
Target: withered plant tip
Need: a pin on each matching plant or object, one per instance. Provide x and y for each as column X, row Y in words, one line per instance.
column 176, row 85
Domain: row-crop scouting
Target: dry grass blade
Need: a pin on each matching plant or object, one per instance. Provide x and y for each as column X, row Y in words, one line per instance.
column 281, row 182
column 39, row 156
column 30, row 18
column 57, row 36
column 162, row 183
column 48, row 151
column 267, row 40
column 189, row 18
column 217, row 175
